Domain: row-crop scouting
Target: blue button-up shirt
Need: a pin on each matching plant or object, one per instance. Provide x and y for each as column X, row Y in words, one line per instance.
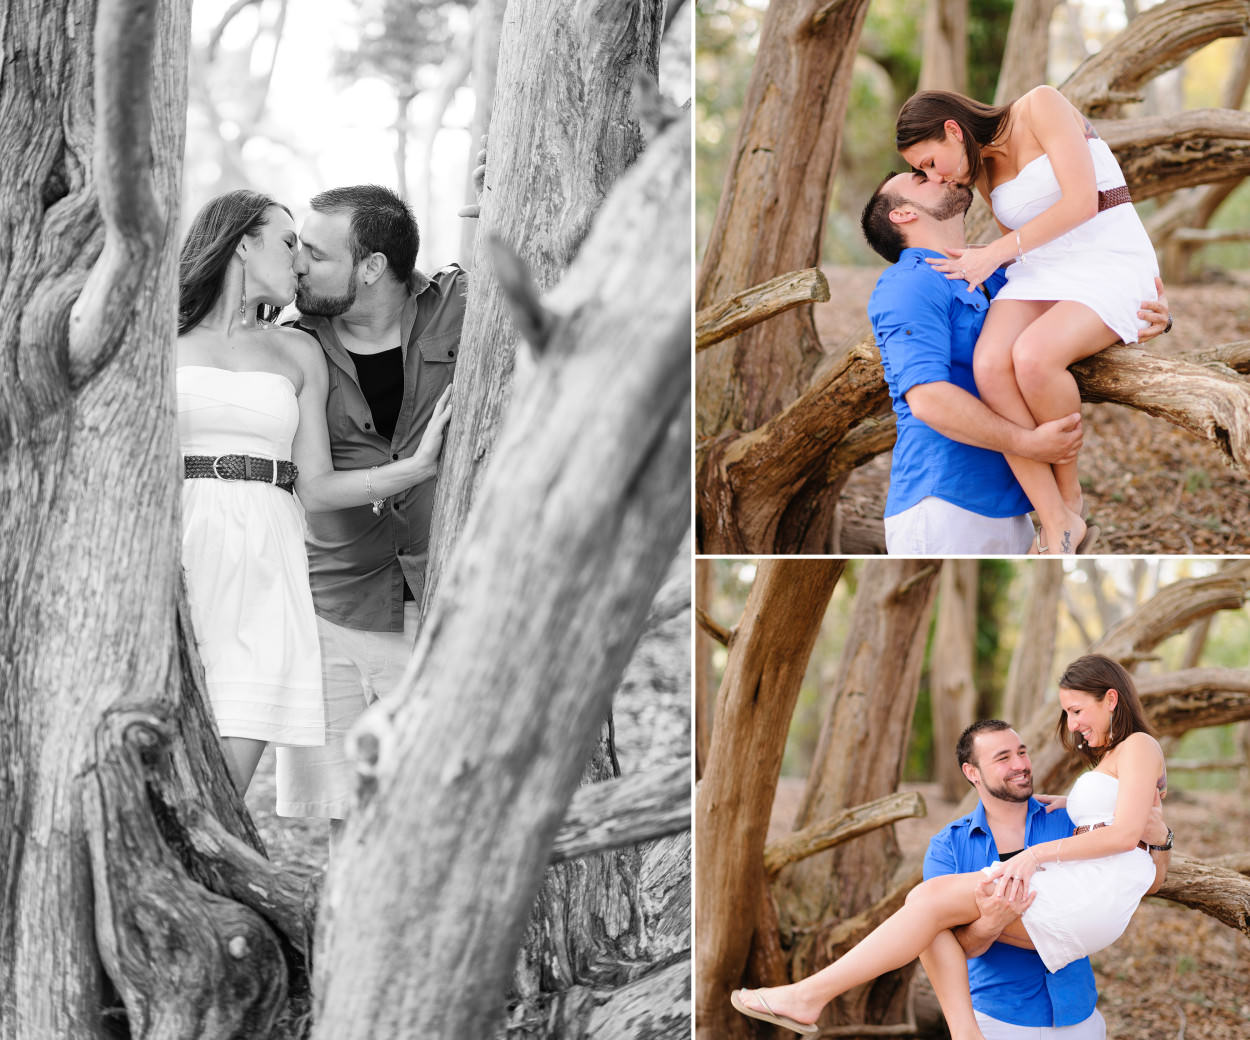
column 1008, row 983
column 926, row 326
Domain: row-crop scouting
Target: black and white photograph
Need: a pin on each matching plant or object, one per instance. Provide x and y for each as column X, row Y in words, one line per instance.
column 346, row 546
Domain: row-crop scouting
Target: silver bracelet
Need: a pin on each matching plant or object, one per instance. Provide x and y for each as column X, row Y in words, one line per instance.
column 377, row 502
column 1019, row 250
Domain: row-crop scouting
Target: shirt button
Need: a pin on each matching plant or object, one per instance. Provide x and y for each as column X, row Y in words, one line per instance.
column 908, row 332
column 368, row 427
column 451, row 353
column 395, row 457
column 395, row 506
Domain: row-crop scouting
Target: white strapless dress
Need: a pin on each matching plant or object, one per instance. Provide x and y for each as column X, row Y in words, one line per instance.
column 1084, row 905
column 1107, row 263
column 247, row 570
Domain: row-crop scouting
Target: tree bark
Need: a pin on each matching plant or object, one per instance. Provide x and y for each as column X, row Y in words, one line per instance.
column 1028, row 675
column 1216, row 890
column 759, row 303
column 944, row 49
column 771, row 216
column 874, row 699
column 1027, row 49
column 1161, row 154
column 590, row 477
column 952, row 689
column 547, row 177
column 767, row 658
column 702, row 669
column 1157, row 40
column 843, row 827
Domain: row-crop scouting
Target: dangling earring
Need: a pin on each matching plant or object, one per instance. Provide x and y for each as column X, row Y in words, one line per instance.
column 243, row 293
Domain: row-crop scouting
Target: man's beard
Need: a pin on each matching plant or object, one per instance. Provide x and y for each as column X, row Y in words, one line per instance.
column 955, row 203
column 1010, row 794
column 326, row 306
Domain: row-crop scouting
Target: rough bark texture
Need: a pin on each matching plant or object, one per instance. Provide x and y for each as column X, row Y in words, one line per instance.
column 1161, row 154
column 952, row 688
column 552, row 162
column 1028, row 675
column 1217, row 890
column 875, row 695
column 702, row 707
column 767, row 658
column 476, row 762
column 91, row 628
column 759, row 303
column 771, row 216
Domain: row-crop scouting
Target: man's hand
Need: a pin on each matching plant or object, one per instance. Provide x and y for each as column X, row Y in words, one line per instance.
column 1156, row 832
column 1052, row 801
column 997, row 909
column 432, row 439
column 1056, row 441
column 1156, row 312
column 479, row 185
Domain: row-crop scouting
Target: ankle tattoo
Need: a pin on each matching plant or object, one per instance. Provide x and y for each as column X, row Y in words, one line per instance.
column 1067, row 542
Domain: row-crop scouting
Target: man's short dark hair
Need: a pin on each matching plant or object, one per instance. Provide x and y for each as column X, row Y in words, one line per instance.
column 885, row 237
column 967, row 739
column 381, row 222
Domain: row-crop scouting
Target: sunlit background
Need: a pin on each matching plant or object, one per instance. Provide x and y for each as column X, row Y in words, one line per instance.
column 291, row 97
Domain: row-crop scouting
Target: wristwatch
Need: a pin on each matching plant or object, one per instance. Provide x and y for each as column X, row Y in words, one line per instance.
column 1166, row 846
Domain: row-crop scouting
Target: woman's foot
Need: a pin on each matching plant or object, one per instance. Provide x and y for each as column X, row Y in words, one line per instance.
column 781, row 1005
column 1068, row 539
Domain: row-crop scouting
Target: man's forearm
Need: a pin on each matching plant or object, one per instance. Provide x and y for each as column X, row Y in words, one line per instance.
column 1161, row 861
column 964, row 417
column 976, row 938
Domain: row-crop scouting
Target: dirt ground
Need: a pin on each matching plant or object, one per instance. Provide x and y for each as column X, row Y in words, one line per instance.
column 1151, row 488
column 1175, row 974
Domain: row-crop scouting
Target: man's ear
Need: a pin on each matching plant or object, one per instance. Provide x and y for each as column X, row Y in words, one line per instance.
column 902, row 215
column 971, row 773
column 373, row 268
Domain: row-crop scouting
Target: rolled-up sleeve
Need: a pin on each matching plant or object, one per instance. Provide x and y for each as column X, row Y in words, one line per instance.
column 912, row 326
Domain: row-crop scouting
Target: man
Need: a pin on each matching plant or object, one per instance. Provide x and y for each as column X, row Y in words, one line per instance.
column 951, row 490
column 1013, row 996
column 391, row 336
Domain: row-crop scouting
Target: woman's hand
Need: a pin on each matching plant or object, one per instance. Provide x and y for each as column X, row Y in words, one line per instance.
column 973, row 265
column 1052, row 801
column 1014, row 875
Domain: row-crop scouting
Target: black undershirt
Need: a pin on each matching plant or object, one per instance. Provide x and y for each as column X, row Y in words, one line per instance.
column 382, row 382
column 1004, row 856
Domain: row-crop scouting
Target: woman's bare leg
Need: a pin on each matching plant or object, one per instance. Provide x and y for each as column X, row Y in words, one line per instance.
column 947, row 967
column 932, row 907
column 993, row 365
column 242, row 756
column 1041, row 355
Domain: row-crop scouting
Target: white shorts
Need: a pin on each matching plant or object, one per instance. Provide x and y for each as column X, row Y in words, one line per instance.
column 357, row 667
column 935, row 527
column 1093, row 1028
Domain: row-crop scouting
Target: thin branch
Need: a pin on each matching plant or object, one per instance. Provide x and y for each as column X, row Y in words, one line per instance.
column 125, row 36
column 757, row 304
column 837, row 829
column 624, row 812
column 713, row 628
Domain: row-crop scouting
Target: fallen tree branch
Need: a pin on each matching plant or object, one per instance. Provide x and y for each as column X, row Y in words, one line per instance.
column 1205, row 236
column 1215, row 890
column 614, row 813
column 1202, row 400
column 843, row 827
column 1161, row 154
column 1234, row 355
column 757, row 304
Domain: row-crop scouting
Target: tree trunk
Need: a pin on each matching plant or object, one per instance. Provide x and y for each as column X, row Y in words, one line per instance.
column 1028, row 675
column 952, row 688
column 702, row 709
column 549, row 170
column 114, row 799
column 767, row 658
column 589, row 478
column 875, row 696
column 487, row 28
column 1027, row 49
column 944, row 52
column 771, row 216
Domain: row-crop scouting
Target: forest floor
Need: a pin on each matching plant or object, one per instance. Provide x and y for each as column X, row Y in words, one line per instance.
column 1151, row 487
column 1175, row 974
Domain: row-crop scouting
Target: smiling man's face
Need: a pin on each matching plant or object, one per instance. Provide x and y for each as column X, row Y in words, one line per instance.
column 1002, row 761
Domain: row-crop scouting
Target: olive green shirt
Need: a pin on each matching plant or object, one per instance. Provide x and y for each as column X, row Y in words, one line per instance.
column 357, row 562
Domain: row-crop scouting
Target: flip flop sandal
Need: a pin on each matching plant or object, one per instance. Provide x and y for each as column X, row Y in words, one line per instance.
column 769, row 1016
column 1085, row 546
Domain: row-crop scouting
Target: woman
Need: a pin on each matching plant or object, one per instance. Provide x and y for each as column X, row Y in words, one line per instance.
column 251, row 420
column 1081, row 262
column 1085, row 887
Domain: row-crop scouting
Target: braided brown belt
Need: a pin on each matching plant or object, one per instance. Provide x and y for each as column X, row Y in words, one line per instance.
column 1115, row 197
column 1095, row 826
column 278, row 472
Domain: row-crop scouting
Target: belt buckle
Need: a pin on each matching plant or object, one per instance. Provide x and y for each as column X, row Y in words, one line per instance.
column 220, row 476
